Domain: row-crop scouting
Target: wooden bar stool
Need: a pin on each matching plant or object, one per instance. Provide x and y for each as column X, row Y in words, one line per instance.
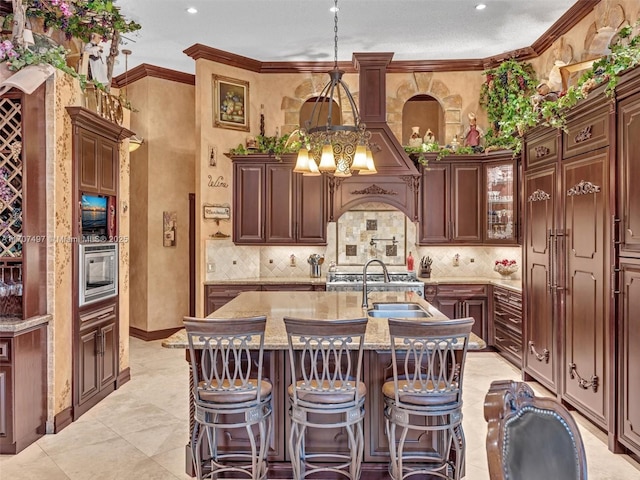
column 327, row 392
column 229, row 393
column 423, row 402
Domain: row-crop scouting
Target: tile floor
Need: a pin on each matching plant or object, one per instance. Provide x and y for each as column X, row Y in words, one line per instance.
column 139, row 432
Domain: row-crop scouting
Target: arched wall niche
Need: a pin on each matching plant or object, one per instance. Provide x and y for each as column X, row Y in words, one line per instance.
column 424, row 112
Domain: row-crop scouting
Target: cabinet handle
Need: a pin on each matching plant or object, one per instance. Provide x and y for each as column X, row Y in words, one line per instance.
column 541, row 357
column 500, row 339
column 104, row 344
column 103, row 316
column 615, row 230
column 583, row 383
column 98, row 343
column 557, row 247
column 550, row 260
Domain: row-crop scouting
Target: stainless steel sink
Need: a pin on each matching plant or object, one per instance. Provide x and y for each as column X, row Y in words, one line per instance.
column 397, row 310
column 396, row 306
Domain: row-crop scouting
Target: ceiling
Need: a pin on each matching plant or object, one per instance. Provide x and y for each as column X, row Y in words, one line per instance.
column 302, row 30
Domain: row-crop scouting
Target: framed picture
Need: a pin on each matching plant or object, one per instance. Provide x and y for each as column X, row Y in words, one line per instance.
column 230, row 103
column 216, row 212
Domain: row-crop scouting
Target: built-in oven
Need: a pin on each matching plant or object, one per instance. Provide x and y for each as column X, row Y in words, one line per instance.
column 98, row 272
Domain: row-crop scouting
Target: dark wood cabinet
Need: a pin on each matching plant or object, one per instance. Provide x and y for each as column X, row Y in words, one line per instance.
column 451, row 204
column 463, row 200
column 541, row 307
column 586, row 244
column 626, row 285
column 275, row 206
column 507, row 324
column 23, row 388
column 629, row 354
column 98, row 164
column 97, row 354
column 460, row 301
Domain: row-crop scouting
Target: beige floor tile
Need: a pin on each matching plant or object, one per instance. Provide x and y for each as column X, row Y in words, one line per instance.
column 140, row 431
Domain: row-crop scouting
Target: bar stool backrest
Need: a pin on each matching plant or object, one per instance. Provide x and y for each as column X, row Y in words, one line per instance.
column 222, row 365
column 431, row 367
column 322, row 360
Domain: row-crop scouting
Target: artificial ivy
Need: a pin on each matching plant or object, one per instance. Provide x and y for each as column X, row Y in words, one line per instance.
column 505, row 95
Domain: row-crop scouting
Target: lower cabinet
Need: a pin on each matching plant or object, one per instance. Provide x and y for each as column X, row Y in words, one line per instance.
column 507, row 324
column 97, row 356
column 23, row 388
column 629, row 355
column 460, row 301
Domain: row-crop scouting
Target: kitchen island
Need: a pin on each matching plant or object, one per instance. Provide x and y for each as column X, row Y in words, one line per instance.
column 377, row 369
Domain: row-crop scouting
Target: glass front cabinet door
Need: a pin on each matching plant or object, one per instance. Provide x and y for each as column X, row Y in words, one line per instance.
column 501, row 202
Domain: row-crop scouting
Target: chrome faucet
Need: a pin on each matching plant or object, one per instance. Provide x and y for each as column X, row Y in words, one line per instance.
column 365, row 300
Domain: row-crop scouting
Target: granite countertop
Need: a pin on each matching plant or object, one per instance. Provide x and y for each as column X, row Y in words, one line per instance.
column 315, row 305
column 512, row 284
column 16, row 325
column 270, row 281
column 515, row 285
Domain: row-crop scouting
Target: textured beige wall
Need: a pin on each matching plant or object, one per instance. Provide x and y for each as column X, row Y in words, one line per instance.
column 162, row 176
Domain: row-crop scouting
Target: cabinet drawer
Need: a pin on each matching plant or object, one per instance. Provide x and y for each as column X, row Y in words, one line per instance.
column 462, row 291
column 508, row 321
column 586, row 134
column 542, row 150
column 508, row 299
column 98, row 315
column 507, row 342
column 5, row 351
column 297, row 287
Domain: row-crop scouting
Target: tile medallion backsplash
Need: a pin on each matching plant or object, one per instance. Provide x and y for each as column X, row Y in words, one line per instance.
column 366, row 234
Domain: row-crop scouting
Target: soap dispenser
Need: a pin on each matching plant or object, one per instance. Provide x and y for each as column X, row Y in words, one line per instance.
column 410, row 262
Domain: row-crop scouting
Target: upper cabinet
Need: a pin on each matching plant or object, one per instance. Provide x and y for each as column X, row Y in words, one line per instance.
column 469, row 199
column 274, row 206
column 96, row 144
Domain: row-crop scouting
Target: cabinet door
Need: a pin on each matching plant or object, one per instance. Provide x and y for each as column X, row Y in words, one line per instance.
column 476, row 308
column 248, row 203
column 88, row 156
column 435, row 207
column 586, row 284
column 501, row 201
column 89, row 365
column 311, row 212
column 466, row 205
column 108, row 175
column 108, row 353
column 280, row 204
column 448, row 306
column 6, row 405
column 629, row 355
column 540, row 310
column 629, row 171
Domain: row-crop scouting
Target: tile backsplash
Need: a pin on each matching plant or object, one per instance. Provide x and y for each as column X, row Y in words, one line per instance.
column 229, row 261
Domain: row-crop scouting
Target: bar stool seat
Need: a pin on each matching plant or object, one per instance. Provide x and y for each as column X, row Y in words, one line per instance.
column 326, row 392
column 423, row 401
column 229, row 393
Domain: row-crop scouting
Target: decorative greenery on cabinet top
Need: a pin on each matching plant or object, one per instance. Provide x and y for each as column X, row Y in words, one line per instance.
column 507, row 93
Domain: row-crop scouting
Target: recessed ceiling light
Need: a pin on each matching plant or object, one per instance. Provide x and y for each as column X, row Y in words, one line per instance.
column 481, row 6
column 192, row 10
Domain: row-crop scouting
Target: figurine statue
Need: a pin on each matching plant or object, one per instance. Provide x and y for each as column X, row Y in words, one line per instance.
column 416, row 139
column 429, row 137
column 97, row 64
column 473, row 134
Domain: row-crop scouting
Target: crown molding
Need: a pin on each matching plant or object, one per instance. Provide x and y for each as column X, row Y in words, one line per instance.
column 146, row 70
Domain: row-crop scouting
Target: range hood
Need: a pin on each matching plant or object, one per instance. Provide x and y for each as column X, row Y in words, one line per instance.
column 398, row 180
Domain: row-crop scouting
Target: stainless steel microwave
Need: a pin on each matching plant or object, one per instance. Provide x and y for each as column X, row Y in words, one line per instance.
column 98, row 272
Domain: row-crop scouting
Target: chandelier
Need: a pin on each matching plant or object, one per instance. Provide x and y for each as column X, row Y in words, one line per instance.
column 340, row 149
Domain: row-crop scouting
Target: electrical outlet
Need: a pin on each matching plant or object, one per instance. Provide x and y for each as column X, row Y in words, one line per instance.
column 472, row 260
column 235, row 262
column 211, row 267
